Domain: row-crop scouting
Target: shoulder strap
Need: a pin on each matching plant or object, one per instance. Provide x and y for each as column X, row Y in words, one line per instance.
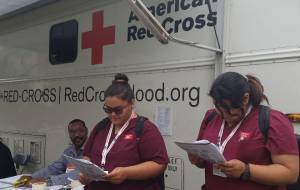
column 103, row 123
column 264, row 120
column 207, row 119
column 139, row 126
column 210, row 117
column 99, row 126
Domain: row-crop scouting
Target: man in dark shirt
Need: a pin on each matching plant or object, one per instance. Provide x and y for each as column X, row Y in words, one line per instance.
column 7, row 167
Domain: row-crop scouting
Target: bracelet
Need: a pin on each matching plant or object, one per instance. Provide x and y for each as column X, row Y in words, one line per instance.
column 246, row 175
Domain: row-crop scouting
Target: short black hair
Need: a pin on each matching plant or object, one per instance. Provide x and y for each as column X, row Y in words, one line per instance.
column 77, row 121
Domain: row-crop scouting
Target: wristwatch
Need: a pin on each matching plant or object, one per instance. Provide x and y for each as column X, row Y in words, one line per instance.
column 246, row 174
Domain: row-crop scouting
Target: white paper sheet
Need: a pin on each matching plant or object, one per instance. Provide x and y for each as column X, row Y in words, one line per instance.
column 204, row 149
column 163, row 119
column 88, row 169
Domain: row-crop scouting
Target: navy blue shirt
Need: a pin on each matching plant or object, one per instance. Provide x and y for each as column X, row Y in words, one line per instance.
column 59, row 166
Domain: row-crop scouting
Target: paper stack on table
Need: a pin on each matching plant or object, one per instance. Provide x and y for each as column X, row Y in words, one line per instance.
column 8, row 184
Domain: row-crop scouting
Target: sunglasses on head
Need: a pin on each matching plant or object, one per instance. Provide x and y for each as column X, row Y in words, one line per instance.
column 117, row 110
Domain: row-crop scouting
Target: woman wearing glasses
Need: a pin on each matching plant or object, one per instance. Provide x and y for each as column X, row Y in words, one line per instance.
column 132, row 162
column 254, row 161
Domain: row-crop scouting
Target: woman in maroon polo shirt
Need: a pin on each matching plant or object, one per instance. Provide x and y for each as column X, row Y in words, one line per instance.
column 133, row 161
column 253, row 162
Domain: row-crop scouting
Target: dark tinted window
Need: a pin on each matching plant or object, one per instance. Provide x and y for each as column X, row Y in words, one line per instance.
column 63, row 42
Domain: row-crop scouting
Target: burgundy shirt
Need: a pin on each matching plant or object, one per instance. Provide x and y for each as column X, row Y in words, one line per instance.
column 248, row 145
column 127, row 151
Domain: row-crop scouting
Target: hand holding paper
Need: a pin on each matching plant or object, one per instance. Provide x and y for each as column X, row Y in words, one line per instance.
column 204, row 149
column 88, row 169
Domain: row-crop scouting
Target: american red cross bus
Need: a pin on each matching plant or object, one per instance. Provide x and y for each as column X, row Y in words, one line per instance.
column 57, row 60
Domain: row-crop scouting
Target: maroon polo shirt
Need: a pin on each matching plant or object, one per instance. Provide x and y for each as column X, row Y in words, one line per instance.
column 127, row 151
column 248, row 145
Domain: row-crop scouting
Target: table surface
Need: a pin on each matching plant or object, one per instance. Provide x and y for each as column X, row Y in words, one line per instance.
column 6, row 184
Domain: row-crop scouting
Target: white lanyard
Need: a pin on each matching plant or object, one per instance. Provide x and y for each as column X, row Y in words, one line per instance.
column 106, row 147
column 223, row 145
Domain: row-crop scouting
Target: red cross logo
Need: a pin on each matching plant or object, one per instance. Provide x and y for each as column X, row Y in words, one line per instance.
column 98, row 37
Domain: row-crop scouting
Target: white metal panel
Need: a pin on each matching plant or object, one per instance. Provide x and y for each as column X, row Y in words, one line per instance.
column 280, row 80
column 262, row 24
column 12, row 5
column 24, row 52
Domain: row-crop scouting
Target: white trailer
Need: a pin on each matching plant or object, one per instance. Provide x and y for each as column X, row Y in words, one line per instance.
column 58, row 59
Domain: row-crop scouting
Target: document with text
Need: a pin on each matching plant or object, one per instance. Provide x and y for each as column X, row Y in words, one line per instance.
column 88, row 169
column 203, row 148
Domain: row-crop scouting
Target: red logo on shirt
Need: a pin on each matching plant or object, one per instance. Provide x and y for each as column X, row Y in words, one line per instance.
column 128, row 137
column 245, row 136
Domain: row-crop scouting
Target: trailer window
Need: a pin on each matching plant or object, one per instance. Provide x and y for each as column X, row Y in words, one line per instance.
column 63, row 42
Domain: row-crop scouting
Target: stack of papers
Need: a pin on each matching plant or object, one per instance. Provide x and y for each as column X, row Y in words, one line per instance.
column 204, row 149
column 7, row 184
column 88, row 169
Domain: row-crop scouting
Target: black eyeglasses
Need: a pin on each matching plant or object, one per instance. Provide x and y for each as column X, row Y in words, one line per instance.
column 117, row 110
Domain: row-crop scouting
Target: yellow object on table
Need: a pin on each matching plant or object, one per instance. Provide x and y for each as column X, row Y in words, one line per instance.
column 22, row 181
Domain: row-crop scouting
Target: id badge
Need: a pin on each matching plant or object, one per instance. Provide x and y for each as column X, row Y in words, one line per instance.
column 218, row 172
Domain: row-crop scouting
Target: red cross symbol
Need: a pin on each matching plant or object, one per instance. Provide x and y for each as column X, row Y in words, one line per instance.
column 98, row 37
